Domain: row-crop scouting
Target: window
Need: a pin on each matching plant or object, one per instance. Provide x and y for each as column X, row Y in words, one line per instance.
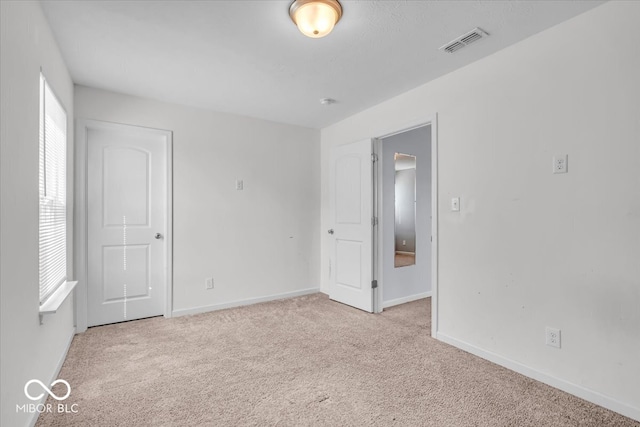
column 53, row 192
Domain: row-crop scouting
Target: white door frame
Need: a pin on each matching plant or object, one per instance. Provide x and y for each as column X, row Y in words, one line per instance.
column 378, row 253
column 80, row 257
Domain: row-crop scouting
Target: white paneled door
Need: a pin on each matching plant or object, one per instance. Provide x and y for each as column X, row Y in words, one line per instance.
column 351, row 232
column 126, row 222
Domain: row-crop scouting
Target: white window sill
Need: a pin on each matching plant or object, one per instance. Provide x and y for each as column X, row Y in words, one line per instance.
column 53, row 303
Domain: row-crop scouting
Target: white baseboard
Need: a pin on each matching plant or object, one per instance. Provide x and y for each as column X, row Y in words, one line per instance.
column 56, row 372
column 398, row 301
column 239, row 303
column 571, row 388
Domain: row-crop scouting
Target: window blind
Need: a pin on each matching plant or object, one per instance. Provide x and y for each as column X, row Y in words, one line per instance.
column 53, row 192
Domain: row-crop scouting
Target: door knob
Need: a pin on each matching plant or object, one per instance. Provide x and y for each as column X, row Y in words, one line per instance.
column 330, row 231
column 158, row 236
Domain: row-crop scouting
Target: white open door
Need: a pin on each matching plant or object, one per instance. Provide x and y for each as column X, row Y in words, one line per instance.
column 351, row 229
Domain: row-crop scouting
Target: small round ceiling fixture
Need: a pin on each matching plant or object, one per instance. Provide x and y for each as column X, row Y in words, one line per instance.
column 315, row 18
column 327, row 101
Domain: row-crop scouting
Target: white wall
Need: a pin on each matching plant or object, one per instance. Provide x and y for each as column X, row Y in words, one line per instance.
column 531, row 249
column 28, row 350
column 400, row 284
column 259, row 242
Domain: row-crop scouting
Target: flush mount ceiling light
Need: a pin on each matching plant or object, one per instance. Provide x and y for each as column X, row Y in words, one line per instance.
column 327, row 101
column 315, row 18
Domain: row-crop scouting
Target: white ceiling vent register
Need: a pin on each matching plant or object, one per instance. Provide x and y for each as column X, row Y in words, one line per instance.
column 464, row 40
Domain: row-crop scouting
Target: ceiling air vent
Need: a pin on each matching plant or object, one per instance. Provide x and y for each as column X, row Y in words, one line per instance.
column 464, row 40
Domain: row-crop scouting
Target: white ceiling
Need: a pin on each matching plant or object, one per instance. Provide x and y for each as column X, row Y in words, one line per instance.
column 248, row 58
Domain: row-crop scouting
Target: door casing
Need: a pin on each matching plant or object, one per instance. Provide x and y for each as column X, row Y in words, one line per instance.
column 378, row 200
column 80, row 214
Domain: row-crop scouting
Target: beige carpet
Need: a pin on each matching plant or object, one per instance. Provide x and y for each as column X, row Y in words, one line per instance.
column 305, row 361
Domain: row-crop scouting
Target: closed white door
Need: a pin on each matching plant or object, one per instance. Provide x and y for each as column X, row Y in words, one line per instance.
column 126, row 222
column 351, row 232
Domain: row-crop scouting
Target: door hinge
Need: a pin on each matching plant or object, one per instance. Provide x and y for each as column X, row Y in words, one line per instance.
column 374, row 157
column 374, row 221
column 374, row 284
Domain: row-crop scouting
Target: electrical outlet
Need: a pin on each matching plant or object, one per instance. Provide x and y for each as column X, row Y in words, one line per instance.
column 553, row 337
column 209, row 282
column 560, row 163
column 404, row 243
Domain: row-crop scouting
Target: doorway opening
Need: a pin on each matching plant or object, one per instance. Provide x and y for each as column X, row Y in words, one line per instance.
column 406, row 249
column 406, row 216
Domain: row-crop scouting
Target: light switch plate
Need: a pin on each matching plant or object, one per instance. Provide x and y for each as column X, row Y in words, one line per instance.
column 455, row 204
